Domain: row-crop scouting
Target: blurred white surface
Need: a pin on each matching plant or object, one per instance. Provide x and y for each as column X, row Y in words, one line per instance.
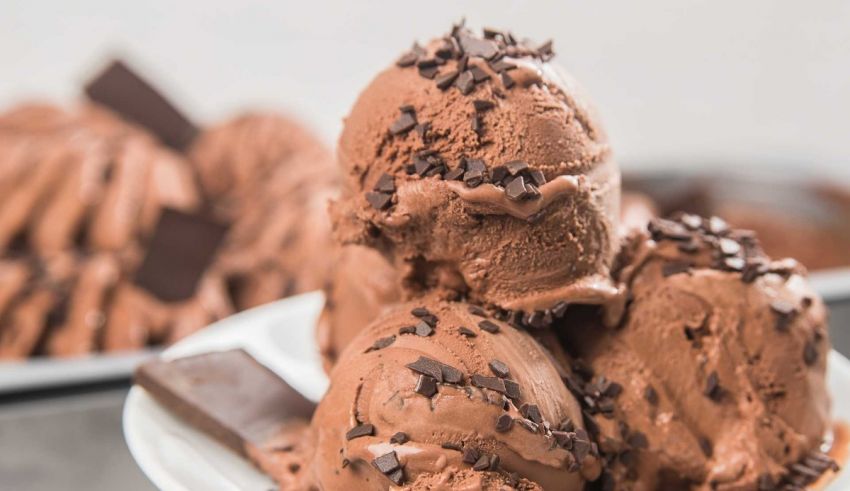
column 694, row 81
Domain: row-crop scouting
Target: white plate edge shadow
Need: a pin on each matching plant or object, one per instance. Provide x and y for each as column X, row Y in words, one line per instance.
column 176, row 457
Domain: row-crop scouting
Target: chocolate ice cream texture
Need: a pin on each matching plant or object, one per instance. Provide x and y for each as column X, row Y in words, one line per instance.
column 437, row 388
column 481, row 169
column 722, row 359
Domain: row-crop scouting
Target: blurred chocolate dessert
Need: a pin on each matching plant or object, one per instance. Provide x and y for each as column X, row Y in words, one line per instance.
column 116, row 235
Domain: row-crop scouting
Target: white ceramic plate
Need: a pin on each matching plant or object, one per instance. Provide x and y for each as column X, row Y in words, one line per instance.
column 176, row 457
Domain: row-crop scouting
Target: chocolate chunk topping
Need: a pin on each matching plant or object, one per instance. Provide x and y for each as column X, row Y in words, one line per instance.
column 446, row 80
column 426, row 386
column 482, row 464
column 465, row 82
column 492, row 383
column 455, row 174
column 712, row 386
column 387, row 463
column 379, row 201
column 507, row 81
column 385, row 184
column 423, row 329
column 515, row 190
column 476, row 310
column 407, row 330
column 381, row 343
column 439, row 371
column 489, row 326
column 427, row 366
column 429, row 72
column 400, row 438
column 451, row 446
column 504, row 423
column 465, row 331
column 407, row 60
column 532, row 412
column 537, row 176
column 512, row 389
column 501, row 66
column 471, row 455
column 125, row 92
column 180, row 251
column 473, row 46
column 500, row 369
column 360, row 430
column 482, row 105
column 397, row 477
column 405, row 122
column 478, row 75
column 516, row 166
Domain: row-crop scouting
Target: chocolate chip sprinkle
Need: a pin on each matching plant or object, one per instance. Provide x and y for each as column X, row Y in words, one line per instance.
column 385, row 184
column 482, row 105
column 381, row 343
column 465, row 82
column 482, row 464
column 379, row 201
column 451, row 446
column 712, row 386
column 407, row 330
column 465, row 331
column 489, row 326
column 404, row 123
column 512, row 390
column 423, row 329
column 499, row 368
column 492, row 383
column 363, row 429
column 389, row 466
column 531, row 412
column 471, row 455
column 446, row 80
column 426, row 386
column 810, row 353
column 476, row 310
column 504, row 423
column 400, row 438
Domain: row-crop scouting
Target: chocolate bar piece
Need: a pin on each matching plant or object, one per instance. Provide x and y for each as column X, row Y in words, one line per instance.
column 234, row 399
column 181, row 249
column 128, row 94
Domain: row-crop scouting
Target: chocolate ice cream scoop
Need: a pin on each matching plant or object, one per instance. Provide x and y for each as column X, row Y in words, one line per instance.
column 361, row 286
column 721, row 358
column 273, row 180
column 434, row 390
column 482, row 170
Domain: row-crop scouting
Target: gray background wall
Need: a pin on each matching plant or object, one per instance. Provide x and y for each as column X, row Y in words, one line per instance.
column 758, row 81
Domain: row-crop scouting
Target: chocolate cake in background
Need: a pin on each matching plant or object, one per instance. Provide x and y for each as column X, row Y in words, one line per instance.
column 114, row 234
